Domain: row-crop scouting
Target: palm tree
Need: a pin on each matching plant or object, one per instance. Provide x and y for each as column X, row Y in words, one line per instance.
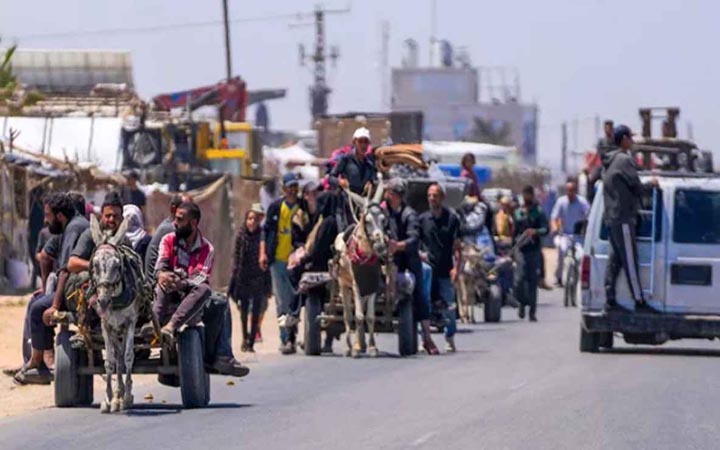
column 12, row 96
column 484, row 131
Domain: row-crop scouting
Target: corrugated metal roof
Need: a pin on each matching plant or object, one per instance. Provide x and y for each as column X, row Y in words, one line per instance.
column 71, row 71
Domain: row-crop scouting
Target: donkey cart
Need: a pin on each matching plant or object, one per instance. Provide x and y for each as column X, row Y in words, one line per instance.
column 181, row 364
column 393, row 314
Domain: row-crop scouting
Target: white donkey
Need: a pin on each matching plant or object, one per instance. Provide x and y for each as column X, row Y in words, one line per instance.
column 117, row 278
column 359, row 254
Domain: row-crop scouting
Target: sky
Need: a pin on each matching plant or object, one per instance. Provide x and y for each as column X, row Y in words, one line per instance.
column 577, row 60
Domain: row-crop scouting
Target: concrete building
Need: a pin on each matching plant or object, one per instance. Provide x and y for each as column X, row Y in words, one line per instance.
column 457, row 107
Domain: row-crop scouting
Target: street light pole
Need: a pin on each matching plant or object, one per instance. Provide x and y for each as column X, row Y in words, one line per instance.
column 228, row 59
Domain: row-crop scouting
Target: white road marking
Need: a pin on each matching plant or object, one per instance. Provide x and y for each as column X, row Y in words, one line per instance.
column 423, row 439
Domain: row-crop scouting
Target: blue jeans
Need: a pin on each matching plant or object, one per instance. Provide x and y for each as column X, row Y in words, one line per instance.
column 446, row 291
column 286, row 301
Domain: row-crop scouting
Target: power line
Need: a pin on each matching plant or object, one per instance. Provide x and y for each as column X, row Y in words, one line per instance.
column 157, row 28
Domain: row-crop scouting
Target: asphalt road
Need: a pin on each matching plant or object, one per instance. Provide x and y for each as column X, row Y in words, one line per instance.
column 513, row 385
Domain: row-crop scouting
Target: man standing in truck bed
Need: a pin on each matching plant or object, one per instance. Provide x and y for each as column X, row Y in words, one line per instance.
column 622, row 189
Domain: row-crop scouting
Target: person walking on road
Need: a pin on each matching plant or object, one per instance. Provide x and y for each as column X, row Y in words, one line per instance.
column 567, row 212
column 275, row 249
column 404, row 245
column 247, row 282
column 440, row 236
column 622, row 190
column 530, row 225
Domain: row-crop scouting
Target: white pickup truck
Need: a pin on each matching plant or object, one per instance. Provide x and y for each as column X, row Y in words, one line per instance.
column 679, row 258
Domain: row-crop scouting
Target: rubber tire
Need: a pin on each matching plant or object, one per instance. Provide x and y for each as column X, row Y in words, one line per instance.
column 66, row 377
column 313, row 335
column 194, row 379
column 605, row 340
column 407, row 330
column 589, row 342
column 493, row 305
column 85, row 391
column 26, row 347
column 415, row 342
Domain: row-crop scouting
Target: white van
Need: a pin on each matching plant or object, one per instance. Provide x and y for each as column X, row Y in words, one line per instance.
column 679, row 257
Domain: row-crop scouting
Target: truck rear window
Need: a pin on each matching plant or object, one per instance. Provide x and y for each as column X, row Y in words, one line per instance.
column 697, row 217
column 645, row 224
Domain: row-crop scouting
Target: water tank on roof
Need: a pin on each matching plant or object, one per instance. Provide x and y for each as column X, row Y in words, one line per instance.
column 72, row 71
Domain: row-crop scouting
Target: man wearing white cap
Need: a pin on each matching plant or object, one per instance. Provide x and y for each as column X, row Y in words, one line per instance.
column 356, row 169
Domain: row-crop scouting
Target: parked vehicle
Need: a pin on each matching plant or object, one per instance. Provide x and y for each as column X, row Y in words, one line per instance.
column 678, row 254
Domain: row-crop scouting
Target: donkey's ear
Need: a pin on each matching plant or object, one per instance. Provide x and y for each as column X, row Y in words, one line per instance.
column 95, row 232
column 120, row 233
column 379, row 192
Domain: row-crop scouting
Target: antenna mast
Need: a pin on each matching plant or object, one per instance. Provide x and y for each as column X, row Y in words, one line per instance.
column 320, row 91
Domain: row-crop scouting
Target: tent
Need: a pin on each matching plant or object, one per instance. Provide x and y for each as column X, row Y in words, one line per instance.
column 447, row 152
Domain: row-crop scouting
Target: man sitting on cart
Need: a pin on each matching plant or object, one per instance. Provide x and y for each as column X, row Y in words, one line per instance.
column 183, row 268
column 63, row 221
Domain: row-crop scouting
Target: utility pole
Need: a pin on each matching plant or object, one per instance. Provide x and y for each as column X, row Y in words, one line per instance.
column 433, row 31
column 320, row 91
column 384, row 64
column 228, row 59
column 563, row 148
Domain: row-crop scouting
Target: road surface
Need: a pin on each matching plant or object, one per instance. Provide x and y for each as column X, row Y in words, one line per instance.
column 513, row 385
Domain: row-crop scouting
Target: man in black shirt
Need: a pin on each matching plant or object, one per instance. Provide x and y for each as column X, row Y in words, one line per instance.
column 165, row 227
column 132, row 194
column 404, row 245
column 356, row 169
column 440, row 237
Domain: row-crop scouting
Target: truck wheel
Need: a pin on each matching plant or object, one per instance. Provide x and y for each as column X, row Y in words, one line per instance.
column 191, row 367
column 313, row 308
column 588, row 341
column 407, row 341
column 493, row 304
column 66, row 376
column 605, row 340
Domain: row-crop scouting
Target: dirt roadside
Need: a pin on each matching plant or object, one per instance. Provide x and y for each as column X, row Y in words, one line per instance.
column 15, row 400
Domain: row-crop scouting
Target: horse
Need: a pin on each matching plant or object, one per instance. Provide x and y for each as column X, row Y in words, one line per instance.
column 117, row 279
column 360, row 251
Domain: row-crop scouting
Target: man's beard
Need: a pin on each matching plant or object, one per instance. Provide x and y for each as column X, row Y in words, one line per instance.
column 183, row 232
column 55, row 227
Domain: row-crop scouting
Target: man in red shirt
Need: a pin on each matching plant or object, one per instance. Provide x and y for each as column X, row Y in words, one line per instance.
column 183, row 270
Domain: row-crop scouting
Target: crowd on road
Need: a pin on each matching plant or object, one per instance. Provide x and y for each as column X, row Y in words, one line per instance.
column 279, row 242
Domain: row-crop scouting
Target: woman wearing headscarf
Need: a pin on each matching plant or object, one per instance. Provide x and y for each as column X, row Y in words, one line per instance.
column 248, row 282
column 139, row 238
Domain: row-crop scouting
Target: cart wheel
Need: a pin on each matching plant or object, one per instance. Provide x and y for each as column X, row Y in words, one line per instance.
column 407, row 330
column 194, row 380
column 85, row 382
column 313, row 307
column 66, row 376
column 493, row 304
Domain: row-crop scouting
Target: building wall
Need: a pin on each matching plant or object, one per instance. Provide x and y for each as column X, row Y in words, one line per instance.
column 448, row 97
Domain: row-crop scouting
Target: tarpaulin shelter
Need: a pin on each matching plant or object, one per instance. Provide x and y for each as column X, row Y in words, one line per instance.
column 24, row 177
column 222, row 203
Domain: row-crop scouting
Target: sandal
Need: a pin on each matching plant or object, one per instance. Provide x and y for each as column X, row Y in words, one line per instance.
column 34, row 375
column 430, row 347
